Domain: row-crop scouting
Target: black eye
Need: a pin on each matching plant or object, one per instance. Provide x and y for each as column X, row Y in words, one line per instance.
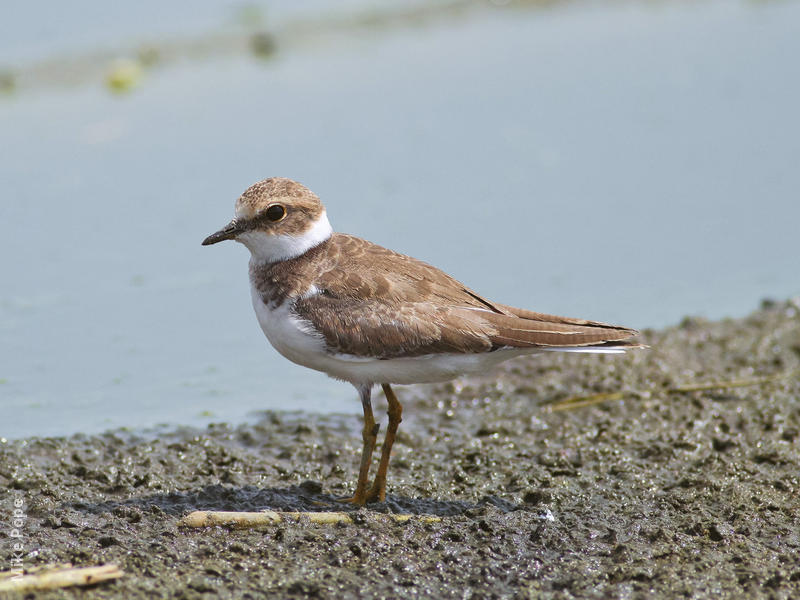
column 275, row 212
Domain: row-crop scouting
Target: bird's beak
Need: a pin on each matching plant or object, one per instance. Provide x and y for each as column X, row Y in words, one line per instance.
column 229, row 232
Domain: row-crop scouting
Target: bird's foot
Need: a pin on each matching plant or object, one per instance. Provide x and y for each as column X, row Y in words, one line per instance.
column 359, row 498
column 377, row 492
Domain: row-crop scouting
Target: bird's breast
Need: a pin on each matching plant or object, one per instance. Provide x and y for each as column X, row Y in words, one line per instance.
column 290, row 335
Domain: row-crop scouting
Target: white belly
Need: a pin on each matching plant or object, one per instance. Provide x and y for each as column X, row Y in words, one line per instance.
column 296, row 340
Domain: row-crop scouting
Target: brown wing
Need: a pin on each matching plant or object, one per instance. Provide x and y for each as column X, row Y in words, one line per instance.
column 376, row 329
column 377, row 303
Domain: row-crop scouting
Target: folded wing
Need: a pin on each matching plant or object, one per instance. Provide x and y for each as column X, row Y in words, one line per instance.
column 372, row 302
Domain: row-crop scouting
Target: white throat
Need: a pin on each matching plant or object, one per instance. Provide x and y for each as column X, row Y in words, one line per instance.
column 266, row 248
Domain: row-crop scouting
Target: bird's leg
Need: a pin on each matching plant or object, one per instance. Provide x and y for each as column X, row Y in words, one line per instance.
column 395, row 412
column 370, row 437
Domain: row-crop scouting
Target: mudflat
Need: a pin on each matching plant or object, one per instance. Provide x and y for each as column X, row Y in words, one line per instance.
column 670, row 472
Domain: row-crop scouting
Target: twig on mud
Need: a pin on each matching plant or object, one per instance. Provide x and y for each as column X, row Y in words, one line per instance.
column 250, row 520
column 52, row 577
column 581, row 401
column 734, row 383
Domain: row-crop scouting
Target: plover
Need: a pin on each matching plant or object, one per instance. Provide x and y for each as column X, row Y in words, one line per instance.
column 367, row 315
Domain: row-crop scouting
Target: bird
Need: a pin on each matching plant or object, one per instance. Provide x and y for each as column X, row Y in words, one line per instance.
column 370, row 316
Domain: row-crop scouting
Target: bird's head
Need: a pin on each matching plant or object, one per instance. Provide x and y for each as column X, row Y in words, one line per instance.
column 276, row 219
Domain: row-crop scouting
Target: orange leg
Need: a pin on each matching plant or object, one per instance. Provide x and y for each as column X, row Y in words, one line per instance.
column 395, row 412
column 370, row 437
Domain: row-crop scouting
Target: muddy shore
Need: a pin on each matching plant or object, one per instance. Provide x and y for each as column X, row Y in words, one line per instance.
column 657, row 492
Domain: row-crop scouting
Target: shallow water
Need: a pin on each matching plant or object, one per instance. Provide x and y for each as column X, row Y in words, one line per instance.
column 621, row 162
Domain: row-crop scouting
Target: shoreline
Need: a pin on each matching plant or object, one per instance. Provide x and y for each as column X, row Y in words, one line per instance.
column 649, row 489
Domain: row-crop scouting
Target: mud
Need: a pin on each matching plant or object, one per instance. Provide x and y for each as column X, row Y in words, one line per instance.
column 665, row 493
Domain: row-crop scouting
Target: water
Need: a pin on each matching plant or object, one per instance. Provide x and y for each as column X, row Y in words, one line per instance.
column 617, row 161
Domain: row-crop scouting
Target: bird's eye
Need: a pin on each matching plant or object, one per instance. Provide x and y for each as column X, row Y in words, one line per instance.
column 275, row 213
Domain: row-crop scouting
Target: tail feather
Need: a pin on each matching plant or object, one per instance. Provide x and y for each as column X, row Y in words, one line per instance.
column 603, row 349
column 520, row 328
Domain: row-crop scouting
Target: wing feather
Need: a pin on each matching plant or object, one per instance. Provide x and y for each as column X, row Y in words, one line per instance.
column 373, row 302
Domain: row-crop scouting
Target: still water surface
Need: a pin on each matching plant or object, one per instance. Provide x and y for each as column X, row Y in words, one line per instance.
column 617, row 161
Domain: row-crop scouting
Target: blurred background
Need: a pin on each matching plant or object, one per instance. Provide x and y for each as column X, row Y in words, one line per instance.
column 631, row 162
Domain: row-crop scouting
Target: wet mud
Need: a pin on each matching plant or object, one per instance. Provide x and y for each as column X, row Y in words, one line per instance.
column 661, row 491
